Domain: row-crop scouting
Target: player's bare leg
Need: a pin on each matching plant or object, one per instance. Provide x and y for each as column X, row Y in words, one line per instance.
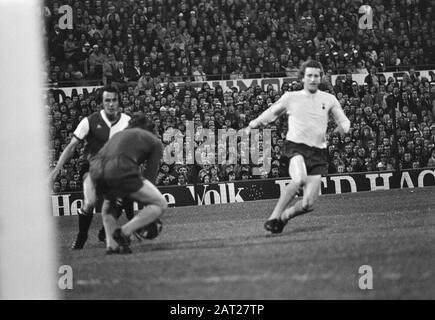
column 298, row 173
column 154, row 206
column 108, row 213
column 305, row 205
column 289, row 192
column 121, row 205
column 86, row 212
column 89, row 193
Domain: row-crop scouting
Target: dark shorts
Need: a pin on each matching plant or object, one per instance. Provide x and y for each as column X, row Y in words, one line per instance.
column 115, row 177
column 84, row 167
column 316, row 160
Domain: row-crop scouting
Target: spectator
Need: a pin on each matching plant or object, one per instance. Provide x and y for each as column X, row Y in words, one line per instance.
column 56, row 187
column 145, row 82
column 134, row 72
column 120, row 77
column 372, row 79
column 182, row 180
column 291, row 70
column 96, row 60
column 109, row 65
column 70, row 48
column 198, row 74
column 431, row 160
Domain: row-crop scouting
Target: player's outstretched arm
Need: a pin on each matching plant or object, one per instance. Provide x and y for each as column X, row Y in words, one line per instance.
column 341, row 130
column 343, row 123
column 270, row 114
column 64, row 157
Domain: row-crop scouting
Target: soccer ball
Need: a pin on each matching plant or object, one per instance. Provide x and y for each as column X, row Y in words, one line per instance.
column 150, row 231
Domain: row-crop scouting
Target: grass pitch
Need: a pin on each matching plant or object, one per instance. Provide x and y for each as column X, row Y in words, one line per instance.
column 223, row 252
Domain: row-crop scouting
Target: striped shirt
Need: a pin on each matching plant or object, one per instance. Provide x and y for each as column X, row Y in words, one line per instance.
column 97, row 129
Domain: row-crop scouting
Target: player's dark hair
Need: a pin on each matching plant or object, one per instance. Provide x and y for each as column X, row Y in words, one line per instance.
column 142, row 122
column 310, row 64
column 107, row 88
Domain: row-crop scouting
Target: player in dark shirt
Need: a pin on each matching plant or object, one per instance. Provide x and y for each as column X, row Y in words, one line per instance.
column 95, row 130
column 116, row 173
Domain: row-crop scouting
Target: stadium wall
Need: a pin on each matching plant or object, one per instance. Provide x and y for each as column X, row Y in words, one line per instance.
column 242, row 84
column 249, row 190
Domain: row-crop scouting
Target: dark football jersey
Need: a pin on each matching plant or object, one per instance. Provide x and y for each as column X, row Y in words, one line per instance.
column 138, row 145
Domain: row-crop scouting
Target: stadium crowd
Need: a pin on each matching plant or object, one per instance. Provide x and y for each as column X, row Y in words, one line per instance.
column 160, row 41
column 370, row 146
column 143, row 47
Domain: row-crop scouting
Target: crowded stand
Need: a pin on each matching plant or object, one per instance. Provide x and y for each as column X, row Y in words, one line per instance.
column 169, row 40
column 155, row 51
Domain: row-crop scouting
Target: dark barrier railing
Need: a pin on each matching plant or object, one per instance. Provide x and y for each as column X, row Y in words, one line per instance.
column 227, row 76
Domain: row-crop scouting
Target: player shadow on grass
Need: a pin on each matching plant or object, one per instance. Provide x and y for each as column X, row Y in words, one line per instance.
column 215, row 243
column 231, row 242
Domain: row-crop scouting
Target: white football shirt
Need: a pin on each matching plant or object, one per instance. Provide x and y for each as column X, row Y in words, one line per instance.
column 308, row 115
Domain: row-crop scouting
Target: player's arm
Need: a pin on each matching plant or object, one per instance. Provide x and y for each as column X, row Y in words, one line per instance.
column 343, row 123
column 64, row 157
column 80, row 133
column 153, row 163
column 272, row 113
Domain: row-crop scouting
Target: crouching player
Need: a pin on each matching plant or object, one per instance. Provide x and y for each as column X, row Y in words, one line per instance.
column 116, row 174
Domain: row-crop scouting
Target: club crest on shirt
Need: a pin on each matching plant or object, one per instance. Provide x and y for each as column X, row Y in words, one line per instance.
column 99, row 126
column 323, row 105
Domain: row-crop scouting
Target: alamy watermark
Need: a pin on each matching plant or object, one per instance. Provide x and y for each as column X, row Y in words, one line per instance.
column 201, row 146
column 65, row 281
column 365, row 281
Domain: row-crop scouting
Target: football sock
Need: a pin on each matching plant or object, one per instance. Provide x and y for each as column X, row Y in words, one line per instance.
column 144, row 217
column 119, row 208
column 85, row 220
column 128, row 208
column 126, row 205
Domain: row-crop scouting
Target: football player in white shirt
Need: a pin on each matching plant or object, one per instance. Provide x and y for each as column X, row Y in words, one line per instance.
column 308, row 113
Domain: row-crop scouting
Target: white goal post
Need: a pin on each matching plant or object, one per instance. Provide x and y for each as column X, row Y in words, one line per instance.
column 27, row 248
